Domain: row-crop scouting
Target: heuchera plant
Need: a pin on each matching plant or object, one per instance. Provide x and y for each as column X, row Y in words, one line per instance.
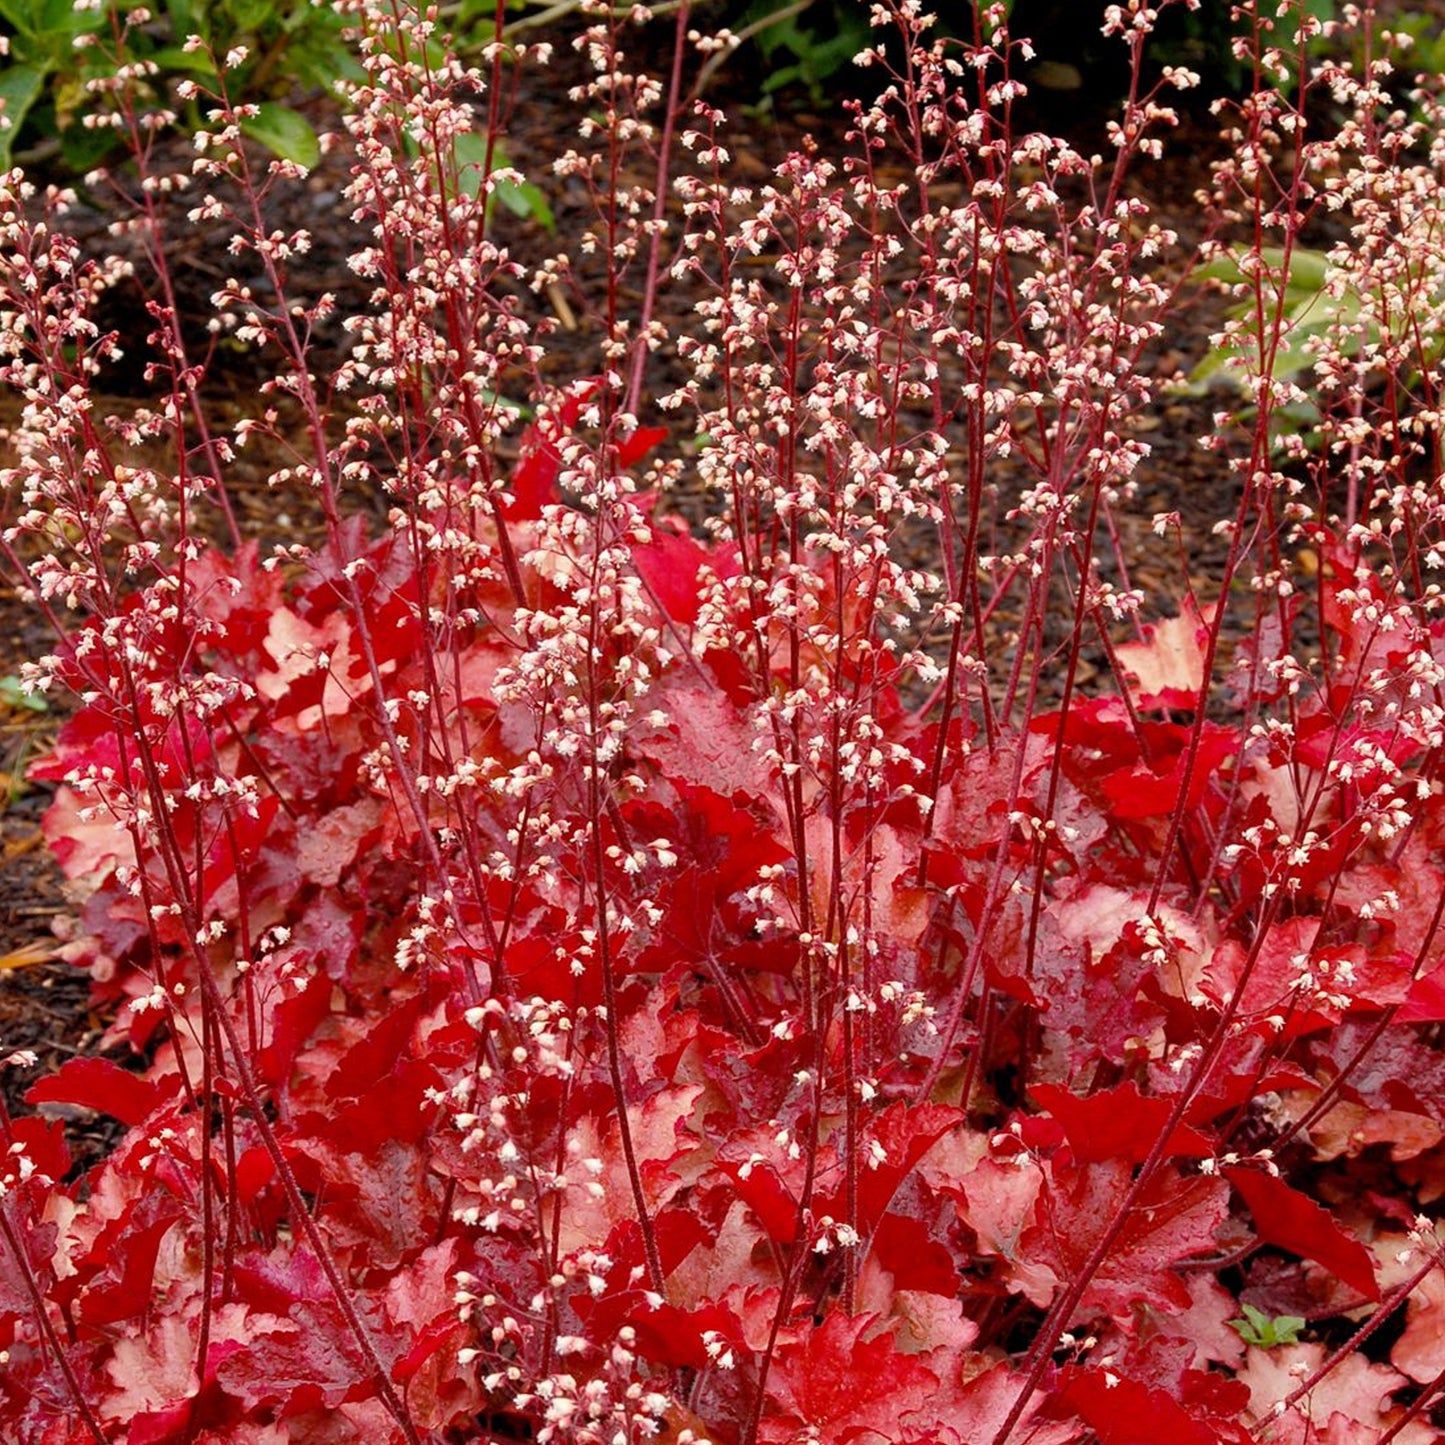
column 581, row 979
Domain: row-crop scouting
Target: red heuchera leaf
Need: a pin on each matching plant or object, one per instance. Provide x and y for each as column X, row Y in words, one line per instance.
column 1118, row 1123
column 151, row 1373
column 534, row 480
column 1124, row 1412
column 1296, row 981
column 724, row 847
column 305, row 1361
column 1350, row 1406
column 1167, row 668
column 670, row 561
column 293, row 1020
column 382, row 1206
column 378, row 1050
column 1174, row 1220
column 125, row 1258
column 421, row 1306
column 1154, row 789
column 842, row 1387
column 16, row 1301
column 1426, row 1001
column 759, row 1186
column 672, row 1336
column 104, row 1086
column 1286, row 1218
column 632, row 449
column 913, row 1256
column 973, row 1403
column 902, row 1134
column 707, row 741
column 255, row 1169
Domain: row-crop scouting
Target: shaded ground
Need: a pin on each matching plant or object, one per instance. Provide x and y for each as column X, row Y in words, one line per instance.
column 43, row 1001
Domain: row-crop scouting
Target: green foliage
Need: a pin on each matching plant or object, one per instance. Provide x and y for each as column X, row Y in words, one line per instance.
column 805, row 43
column 284, row 132
column 1258, row 1329
column 518, row 196
column 1320, row 303
column 56, row 51
column 1308, row 313
column 1414, row 44
column 44, row 64
column 1426, row 51
column 796, row 53
column 15, row 695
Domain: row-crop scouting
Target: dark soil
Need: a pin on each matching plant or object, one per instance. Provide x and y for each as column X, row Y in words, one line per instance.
column 44, row 1002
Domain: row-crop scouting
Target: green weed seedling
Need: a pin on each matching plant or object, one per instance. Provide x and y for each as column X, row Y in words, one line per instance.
column 1258, row 1329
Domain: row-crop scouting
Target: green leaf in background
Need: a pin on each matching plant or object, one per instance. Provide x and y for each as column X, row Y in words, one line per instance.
column 521, row 198
column 13, row 694
column 184, row 21
column 1309, row 313
column 524, row 199
column 83, row 149
column 247, row 17
column 181, row 61
column 817, row 54
column 316, row 54
column 19, row 88
column 284, row 133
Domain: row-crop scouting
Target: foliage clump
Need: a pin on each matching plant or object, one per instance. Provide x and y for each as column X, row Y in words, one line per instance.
column 586, row 979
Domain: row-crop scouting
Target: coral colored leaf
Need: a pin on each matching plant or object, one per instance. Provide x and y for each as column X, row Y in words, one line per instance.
column 672, row 1336
column 1290, row 1220
column 293, row 1020
column 534, row 481
column 973, row 1404
column 308, row 1360
column 1145, row 791
column 1125, row 1412
column 1173, row 1220
column 1118, row 1123
column 1426, row 1001
column 381, row 1206
column 1420, row 1351
column 1351, row 1405
column 708, row 742
column 421, row 1309
column 255, row 1169
column 998, row 1199
column 839, row 1386
column 670, row 564
column 1167, row 668
column 899, row 1137
column 102, row 1085
column 151, row 1369
column 760, row 1188
column 42, row 1142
